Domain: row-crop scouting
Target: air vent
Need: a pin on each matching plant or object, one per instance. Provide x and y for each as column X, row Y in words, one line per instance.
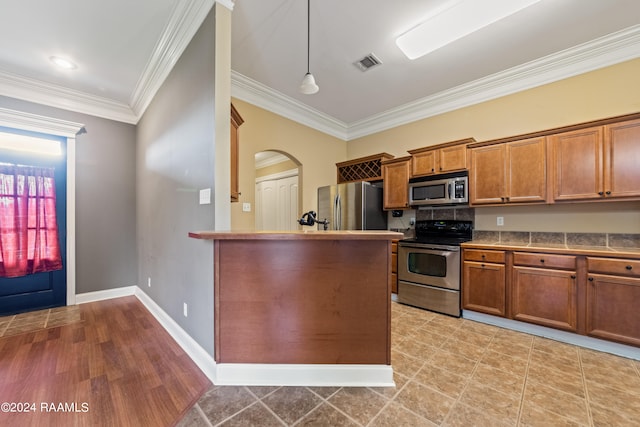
column 367, row 62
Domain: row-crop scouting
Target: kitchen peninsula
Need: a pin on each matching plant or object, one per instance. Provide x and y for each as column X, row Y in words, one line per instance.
column 317, row 299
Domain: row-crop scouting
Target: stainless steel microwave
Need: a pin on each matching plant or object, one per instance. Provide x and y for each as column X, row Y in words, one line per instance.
column 439, row 190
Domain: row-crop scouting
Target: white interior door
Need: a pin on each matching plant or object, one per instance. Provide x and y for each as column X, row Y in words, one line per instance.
column 277, row 204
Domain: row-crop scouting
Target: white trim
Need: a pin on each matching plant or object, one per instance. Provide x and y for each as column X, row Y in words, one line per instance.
column 86, row 297
column 48, row 125
column 184, row 22
column 305, row 375
column 599, row 53
column 200, row 357
column 226, row 3
column 279, row 175
column 253, row 92
column 271, row 160
column 554, row 334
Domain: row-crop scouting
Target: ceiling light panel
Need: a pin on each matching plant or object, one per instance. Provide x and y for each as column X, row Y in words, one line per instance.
column 456, row 19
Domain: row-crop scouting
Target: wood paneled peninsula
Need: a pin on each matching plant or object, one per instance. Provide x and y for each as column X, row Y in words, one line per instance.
column 302, row 297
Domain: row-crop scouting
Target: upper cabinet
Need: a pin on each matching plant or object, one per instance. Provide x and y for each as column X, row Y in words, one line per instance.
column 236, row 121
column 443, row 158
column 395, row 174
column 362, row 169
column 513, row 172
column 600, row 162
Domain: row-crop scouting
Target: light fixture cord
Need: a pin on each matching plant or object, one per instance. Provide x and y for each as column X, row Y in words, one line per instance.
column 308, row 33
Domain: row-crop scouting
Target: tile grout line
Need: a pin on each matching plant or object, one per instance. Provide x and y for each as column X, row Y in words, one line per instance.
column 586, row 390
column 203, row 415
column 524, row 384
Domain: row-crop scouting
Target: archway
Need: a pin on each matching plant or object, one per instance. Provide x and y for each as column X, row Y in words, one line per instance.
column 278, row 191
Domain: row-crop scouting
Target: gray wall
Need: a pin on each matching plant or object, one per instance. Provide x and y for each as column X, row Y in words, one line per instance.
column 175, row 159
column 105, row 198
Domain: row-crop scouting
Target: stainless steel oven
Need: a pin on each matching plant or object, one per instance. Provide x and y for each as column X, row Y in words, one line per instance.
column 429, row 266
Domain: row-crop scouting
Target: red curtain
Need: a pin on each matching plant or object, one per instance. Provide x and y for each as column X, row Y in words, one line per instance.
column 28, row 225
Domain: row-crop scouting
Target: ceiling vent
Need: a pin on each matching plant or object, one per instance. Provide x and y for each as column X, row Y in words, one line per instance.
column 367, row 62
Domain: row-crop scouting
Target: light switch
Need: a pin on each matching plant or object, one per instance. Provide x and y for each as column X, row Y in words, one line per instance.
column 246, row 207
column 205, row 196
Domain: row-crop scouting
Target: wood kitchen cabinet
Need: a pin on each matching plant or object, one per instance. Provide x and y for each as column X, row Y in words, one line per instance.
column 513, row 172
column 447, row 157
column 613, row 296
column 542, row 292
column 395, row 175
column 484, row 281
column 236, row 121
column 600, row 162
column 394, row 266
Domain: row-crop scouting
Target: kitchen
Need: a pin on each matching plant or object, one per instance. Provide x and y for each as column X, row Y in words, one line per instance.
column 566, row 102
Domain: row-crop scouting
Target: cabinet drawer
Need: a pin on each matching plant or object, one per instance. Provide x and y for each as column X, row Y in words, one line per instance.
column 565, row 262
column 484, row 256
column 394, row 262
column 394, row 247
column 619, row 267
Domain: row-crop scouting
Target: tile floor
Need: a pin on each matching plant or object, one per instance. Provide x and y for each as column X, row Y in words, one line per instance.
column 41, row 319
column 450, row 372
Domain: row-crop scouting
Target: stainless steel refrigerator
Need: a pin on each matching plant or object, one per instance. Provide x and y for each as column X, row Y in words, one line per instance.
column 352, row 206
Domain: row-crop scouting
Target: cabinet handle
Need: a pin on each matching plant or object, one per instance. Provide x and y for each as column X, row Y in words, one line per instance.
column 628, row 267
column 591, row 279
column 433, row 170
column 482, row 265
column 601, row 193
column 542, row 260
column 573, row 276
column 483, row 256
column 608, row 193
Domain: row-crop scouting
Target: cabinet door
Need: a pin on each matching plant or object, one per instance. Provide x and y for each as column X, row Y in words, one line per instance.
column 527, row 171
column 452, row 158
column 612, row 308
column 487, row 175
column 396, row 184
column 483, row 288
column 622, row 159
column 545, row 297
column 424, row 163
column 577, row 164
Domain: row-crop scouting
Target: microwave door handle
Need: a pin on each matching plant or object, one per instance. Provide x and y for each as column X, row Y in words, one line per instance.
column 450, row 187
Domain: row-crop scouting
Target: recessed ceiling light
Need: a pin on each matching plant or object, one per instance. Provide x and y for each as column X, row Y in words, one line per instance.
column 63, row 63
column 455, row 20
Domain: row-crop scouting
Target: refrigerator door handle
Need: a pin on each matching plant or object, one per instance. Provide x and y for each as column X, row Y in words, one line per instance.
column 338, row 213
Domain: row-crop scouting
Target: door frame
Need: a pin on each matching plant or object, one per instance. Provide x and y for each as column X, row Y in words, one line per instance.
column 52, row 126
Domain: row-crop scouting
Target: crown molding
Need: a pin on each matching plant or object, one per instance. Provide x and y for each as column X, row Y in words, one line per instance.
column 40, row 92
column 185, row 21
column 599, row 53
column 186, row 18
column 253, row 92
column 41, row 124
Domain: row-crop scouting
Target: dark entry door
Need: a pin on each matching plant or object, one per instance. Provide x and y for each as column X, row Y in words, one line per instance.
column 40, row 290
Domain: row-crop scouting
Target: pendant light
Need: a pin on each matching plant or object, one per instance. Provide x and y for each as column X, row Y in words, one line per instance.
column 308, row 86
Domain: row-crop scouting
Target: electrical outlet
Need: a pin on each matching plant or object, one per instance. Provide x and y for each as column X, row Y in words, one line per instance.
column 149, row 281
column 185, row 310
column 246, row 207
column 500, row 221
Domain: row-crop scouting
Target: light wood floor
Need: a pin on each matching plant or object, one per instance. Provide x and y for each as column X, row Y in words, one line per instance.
column 116, row 367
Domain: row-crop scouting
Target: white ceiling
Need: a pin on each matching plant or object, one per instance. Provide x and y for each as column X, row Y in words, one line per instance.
column 125, row 49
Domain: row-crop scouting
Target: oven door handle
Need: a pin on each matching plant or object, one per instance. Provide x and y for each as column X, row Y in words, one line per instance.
column 424, row 248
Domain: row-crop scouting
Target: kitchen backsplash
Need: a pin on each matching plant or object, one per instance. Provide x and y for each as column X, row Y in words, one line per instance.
column 612, row 240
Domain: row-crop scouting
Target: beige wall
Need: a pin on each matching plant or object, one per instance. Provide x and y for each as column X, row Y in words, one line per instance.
column 316, row 152
column 599, row 94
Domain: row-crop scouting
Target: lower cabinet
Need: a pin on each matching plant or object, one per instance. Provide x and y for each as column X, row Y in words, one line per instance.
column 613, row 299
column 545, row 297
column 394, row 266
column 486, row 290
column 484, row 284
column 595, row 296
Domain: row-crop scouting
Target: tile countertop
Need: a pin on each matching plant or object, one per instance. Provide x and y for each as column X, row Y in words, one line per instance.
column 297, row 235
column 625, row 252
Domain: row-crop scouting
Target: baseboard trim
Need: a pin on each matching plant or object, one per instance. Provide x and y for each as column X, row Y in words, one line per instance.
column 200, row 357
column 554, row 334
column 305, row 375
column 105, row 295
